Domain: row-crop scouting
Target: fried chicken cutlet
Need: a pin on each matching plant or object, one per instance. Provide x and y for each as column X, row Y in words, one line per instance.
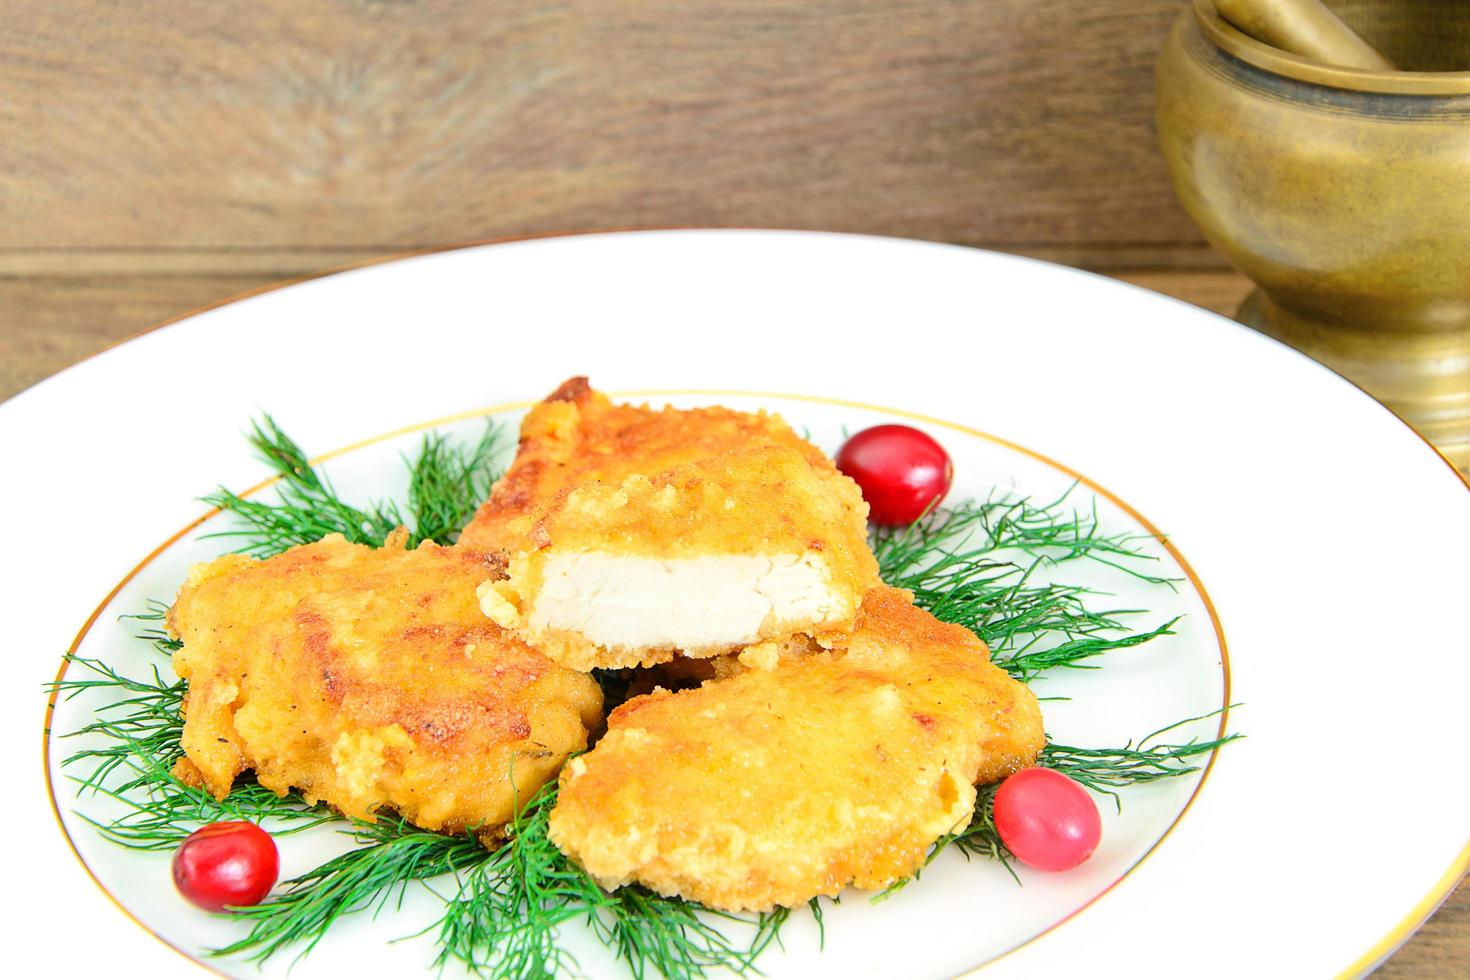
column 577, row 435
column 772, row 787
column 752, row 547
column 368, row 678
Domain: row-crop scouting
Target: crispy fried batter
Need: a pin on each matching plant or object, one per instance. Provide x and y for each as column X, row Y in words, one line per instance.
column 577, row 436
column 370, row 679
column 774, row 786
column 750, row 547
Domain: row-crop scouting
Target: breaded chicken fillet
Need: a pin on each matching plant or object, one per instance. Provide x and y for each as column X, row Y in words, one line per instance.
column 370, row 679
column 752, row 547
column 578, row 436
column 772, row 787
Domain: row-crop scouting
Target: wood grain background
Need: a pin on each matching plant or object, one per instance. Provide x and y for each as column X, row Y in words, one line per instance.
column 190, row 134
column 157, row 155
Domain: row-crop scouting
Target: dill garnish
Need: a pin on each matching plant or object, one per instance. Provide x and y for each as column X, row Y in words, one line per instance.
column 985, row 565
column 505, row 917
column 155, row 633
column 1005, row 521
column 137, row 735
column 508, row 905
column 1107, row 770
column 397, row 854
column 961, row 564
column 447, row 481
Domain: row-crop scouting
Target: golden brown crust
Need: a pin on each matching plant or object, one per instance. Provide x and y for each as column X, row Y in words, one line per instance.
column 767, row 503
column 773, row 786
column 946, row 653
column 578, row 435
column 571, row 390
column 369, row 679
column 768, row 500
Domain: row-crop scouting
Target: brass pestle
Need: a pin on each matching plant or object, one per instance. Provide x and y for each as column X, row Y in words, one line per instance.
column 1304, row 27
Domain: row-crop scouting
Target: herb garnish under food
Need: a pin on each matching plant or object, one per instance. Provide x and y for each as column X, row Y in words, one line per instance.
column 503, row 908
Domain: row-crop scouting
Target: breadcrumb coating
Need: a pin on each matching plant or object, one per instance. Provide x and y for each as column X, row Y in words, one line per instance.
column 833, row 768
column 368, row 678
column 577, row 435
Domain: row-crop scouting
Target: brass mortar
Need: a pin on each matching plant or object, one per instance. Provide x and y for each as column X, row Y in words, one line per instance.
column 1343, row 194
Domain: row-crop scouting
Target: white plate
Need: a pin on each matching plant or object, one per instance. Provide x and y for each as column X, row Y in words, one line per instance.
column 1330, row 538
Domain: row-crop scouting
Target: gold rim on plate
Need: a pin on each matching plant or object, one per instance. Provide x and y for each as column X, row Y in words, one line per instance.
column 1102, row 491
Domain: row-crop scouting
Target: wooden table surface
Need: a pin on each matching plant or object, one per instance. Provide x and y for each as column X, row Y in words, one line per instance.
column 48, row 322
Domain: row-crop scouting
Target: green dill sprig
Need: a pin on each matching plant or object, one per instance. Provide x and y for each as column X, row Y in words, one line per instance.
column 309, row 507
column 1107, row 770
column 1054, row 532
column 506, row 916
column 446, row 484
column 156, row 633
column 396, row 855
column 1003, row 521
column 169, row 810
column 1084, row 642
column 507, row 908
column 138, row 732
column 958, row 563
column 137, row 742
